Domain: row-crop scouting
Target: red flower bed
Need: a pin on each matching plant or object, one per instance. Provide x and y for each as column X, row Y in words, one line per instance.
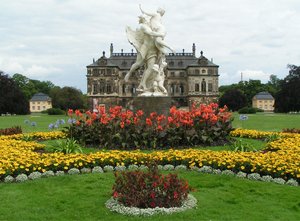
column 118, row 128
column 149, row 189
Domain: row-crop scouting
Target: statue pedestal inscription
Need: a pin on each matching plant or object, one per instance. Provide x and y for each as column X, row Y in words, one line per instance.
column 160, row 105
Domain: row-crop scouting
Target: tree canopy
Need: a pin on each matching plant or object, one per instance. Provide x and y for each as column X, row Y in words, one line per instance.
column 12, row 99
column 288, row 97
column 31, row 87
column 234, row 99
column 67, row 98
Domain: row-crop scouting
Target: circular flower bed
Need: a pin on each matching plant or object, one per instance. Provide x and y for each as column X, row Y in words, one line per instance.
column 149, row 192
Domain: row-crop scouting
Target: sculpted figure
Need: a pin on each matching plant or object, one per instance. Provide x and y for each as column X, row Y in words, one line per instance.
column 157, row 26
column 147, row 52
column 148, row 41
column 159, row 78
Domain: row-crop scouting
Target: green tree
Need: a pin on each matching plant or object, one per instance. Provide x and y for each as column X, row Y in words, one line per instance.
column 273, row 85
column 12, row 99
column 30, row 86
column 288, row 97
column 234, row 99
column 67, row 97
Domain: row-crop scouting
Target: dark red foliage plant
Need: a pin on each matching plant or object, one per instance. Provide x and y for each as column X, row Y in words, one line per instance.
column 149, row 189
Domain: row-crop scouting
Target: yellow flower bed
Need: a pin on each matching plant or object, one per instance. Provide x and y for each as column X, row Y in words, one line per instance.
column 36, row 136
column 17, row 156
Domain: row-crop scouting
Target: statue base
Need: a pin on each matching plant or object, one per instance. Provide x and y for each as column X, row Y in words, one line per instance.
column 149, row 104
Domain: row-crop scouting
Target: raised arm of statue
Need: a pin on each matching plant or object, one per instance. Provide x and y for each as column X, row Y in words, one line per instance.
column 146, row 13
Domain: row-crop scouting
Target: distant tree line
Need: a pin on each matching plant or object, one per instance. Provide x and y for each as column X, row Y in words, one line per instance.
column 16, row 91
column 286, row 92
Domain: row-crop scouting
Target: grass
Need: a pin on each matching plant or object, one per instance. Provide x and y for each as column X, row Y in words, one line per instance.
column 42, row 121
column 267, row 121
column 82, row 197
column 258, row 121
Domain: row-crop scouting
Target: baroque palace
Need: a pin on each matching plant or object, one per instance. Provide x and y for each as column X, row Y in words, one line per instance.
column 188, row 79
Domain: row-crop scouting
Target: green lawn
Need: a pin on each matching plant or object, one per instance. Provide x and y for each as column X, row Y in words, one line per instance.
column 258, row 121
column 42, row 121
column 268, row 121
column 82, row 197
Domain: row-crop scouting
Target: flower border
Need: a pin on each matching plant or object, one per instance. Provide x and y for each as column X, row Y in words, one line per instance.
column 114, row 206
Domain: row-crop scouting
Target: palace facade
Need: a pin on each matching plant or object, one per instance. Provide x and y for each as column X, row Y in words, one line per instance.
column 188, row 79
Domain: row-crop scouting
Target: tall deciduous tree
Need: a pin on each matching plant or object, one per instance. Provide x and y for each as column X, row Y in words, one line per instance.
column 288, row 97
column 12, row 99
column 30, row 86
column 234, row 99
column 67, row 97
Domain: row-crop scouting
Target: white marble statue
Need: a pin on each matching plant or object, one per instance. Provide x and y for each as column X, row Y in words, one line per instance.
column 148, row 41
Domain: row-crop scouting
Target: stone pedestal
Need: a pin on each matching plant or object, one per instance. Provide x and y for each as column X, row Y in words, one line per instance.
column 160, row 105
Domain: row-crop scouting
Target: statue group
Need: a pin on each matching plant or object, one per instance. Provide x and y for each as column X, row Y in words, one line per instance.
column 151, row 47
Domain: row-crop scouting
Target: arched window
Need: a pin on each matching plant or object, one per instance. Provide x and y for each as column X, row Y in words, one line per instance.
column 197, row 87
column 203, row 86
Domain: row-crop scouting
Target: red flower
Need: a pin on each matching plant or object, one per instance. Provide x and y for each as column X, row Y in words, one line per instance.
column 139, row 113
column 153, row 115
column 70, row 112
column 154, row 184
column 148, row 122
column 159, row 128
column 78, row 113
column 175, row 195
column 122, row 124
column 152, row 195
column 115, row 194
column 89, row 122
column 152, row 204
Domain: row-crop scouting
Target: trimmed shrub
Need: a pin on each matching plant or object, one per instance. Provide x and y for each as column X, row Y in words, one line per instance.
column 247, row 110
column 55, row 111
column 149, row 189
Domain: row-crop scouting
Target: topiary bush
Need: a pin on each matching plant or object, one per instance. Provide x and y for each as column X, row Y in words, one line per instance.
column 149, row 189
column 118, row 128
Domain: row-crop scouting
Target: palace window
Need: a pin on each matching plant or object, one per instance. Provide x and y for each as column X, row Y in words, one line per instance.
column 197, row 87
column 203, row 71
column 124, row 88
column 180, row 63
column 181, row 88
column 108, row 88
column 102, row 87
column 171, row 63
column 203, row 86
column 197, row 72
column 210, row 87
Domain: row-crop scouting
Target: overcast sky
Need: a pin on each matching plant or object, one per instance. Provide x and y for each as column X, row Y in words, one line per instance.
column 55, row 39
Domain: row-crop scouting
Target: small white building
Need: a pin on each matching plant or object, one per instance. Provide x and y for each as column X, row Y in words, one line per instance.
column 40, row 102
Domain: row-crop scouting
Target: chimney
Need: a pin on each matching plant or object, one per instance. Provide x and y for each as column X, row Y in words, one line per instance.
column 111, row 49
column 194, row 49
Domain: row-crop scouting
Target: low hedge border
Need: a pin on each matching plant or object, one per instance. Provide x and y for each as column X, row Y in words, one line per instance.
column 205, row 169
